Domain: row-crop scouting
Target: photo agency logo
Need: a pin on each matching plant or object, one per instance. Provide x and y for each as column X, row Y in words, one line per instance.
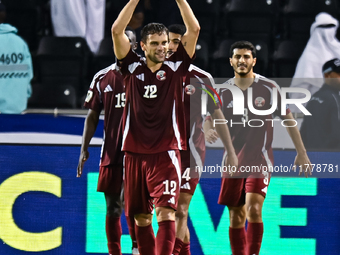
column 204, row 98
column 238, row 104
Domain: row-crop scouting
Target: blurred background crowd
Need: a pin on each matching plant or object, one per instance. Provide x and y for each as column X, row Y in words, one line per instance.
column 69, row 41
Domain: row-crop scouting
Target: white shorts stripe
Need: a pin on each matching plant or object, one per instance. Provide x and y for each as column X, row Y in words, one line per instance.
column 127, row 126
column 175, row 162
column 175, row 126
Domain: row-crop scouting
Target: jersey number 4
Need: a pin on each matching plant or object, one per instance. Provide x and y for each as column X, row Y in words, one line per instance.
column 150, row 91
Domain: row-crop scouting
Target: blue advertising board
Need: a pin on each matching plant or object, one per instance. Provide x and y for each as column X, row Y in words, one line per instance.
column 45, row 209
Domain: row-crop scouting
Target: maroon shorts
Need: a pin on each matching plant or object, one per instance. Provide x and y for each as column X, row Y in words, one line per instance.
column 110, row 179
column 233, row 190
column 151, row 179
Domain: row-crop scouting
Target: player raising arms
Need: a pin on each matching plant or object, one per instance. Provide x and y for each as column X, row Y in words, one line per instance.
column 245, row 196
column 153, row 124
column 107, row 92
column 196, row 80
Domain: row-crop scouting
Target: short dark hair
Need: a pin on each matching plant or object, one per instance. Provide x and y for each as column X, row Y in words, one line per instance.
column 242, row 45
column 153, row 28
column 177, row 29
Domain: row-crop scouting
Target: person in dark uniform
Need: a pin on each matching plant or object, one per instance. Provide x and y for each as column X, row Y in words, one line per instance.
column 321, row 130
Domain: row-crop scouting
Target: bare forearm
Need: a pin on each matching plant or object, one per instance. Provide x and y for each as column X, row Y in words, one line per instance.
column 120, row 40
column 296, row 138
column 294, row 134
column 191, row 23
column 207, row 125
column 124, row 17
column 223, row 132
column 91, row 123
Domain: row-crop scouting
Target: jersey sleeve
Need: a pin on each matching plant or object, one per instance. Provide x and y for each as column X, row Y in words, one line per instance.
column 209, row 92
column 325, row 109
column 181, row 56
column 93, row 98
column 213, row 102
column 128, row 64
column 313, row 123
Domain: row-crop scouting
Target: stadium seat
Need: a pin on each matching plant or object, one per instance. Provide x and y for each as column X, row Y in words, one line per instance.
column 202, row 55
column 298, row 16
column 105, row 56
column 286, row 57
column 64, row 60
column 24, row 15
column 222, row 68
column 256, row 19
column 208, row 13
column 51, row 96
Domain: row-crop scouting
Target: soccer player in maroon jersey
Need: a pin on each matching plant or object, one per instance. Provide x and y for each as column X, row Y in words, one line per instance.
column 107, row 92
column 196, row 80
column 154, row 125
column 245, row 196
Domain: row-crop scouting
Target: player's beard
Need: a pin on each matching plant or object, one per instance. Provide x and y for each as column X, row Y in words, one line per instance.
column 243, row 72
column 155, row 59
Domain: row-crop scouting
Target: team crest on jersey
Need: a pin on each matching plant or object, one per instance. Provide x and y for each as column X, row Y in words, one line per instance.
column 88, row 96
column 259, row 101
column 189, row 89
column 161, row 75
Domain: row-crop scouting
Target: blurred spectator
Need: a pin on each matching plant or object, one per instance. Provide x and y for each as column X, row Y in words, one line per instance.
column 162, row 11
column 84, row 18
column 321, row 47
column 16, row 69
column 322, row 130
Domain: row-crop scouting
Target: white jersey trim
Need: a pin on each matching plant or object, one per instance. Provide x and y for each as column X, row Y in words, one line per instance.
column 175, row 162
column 99, row 92
column 102, row 72
column 102, row 148
column 127, row 127
column 175, row 127
column 132, row 67
column 196, row 68
column 173, row 65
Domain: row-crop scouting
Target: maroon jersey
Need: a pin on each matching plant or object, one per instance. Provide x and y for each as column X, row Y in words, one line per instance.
column 196, row 82
column 253, row 145
column 153, row 119
column 107, row 92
